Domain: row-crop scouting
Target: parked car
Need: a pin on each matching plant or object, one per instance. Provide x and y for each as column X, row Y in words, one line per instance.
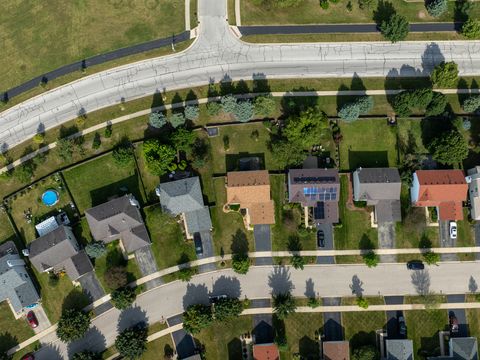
column 214, row 299
column 320, row 238
column 453, row 324
column 197, row 240
column 402, row 327
column 415, row 265
column 453, row 229
column 28, row 356
column 32, row 319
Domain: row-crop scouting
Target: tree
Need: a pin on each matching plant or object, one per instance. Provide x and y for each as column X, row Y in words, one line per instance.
column 406, row 101
column 176, row 120
column 240, row 263
column 471, row 29
column 306, row 128
column 313, row 302
column 157, row 120
column 287, row 154
column 449, row 148
column 351, row 111
column 229, row 103
column 186, row 274
column 95, row 249
column 213, row 108
column 367, row 352
column 431, row 258
column 24, row 172
column 445, row 75
column 298, row 262
column 38, row 138
column 158, row 157
column 65, row 149
column 395, row 29
column 108, row 131
column 196, row 318
column 437, row 105
column 243, row 111
column 227, row 308
column 362, row 302
column 371, row 259
column 183, row 140
column 265, row 105
column 116, row 277
column 123, row 297
column 191, row 112
column 123, row 154
column 97, row 141
column 73, row 324
column 471, row 104
column 437, row 8
column 132, row 342
column 284, row 305
column 86, row 355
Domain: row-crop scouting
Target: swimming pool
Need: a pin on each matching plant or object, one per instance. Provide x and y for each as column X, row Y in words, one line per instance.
column 50, row 197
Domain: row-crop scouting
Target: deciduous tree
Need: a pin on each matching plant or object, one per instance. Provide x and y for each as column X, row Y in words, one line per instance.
column 123, row 297
column 132, row 342
column 445, row 75
column 196, row 318
column 158, row 156
column 395, row 29
column 449, row 148
column 73, row 324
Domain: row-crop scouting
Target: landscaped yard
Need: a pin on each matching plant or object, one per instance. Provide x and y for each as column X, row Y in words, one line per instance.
column 76, row 30
column 465, row 236
column 149, row 181
column 12, row 332
column 168, row 241
column 6, row 231
column 302, row 335
column 96, row 181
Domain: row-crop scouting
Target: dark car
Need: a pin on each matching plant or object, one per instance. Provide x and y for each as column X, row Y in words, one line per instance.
column 453, row 323
column 32, row 319
column 28, row 356
column 402, row 328
column 197, row 240
column 320, row 238
column 415, row 265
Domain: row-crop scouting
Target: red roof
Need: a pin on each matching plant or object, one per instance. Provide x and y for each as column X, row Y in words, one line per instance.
column 265, row 352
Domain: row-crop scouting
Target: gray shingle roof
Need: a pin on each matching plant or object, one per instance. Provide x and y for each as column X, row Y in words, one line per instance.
column 118, row 219
column 198, row 220
column 78, row 265
column 388, row 211
column 181, row 196
column 377, row 184
column 399, row 349
column 464, row 348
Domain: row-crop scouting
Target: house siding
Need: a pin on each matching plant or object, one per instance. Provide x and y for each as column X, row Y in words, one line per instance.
column 415, row 189
column 356, row 186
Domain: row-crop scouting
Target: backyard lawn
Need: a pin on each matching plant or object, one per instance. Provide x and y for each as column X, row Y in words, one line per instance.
column 159, row 349
column 6, row 230
column 423, row 328
column 149, row 181
column 12, row 332
column 95, row 182
column 168, row 241
column 75, row 30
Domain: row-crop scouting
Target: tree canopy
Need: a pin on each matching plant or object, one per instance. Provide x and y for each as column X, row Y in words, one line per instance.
column 395, row 29
column 73, row 324
column 132, row 342
column 227, row 308
column 196, row 318
column 123, row 154
column 367, row 352
column 471, row 29
column 471, row 104
column 284, row 305
column 86, row 355
column 183, row 140
column 306, row 129
column 445, row 75
column 95, row 249
column 265, row 105
column 449, row 148
column 437, row 8
column 157, row 120
column 158, row 156
column 123, row 297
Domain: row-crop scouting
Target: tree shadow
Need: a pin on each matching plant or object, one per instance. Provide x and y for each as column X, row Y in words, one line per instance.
column 432, row 56
column 239, row 243
column 226, row 285
column 241, row 87
column 75, row 299
column 40, row 128
column 431, row 128
column 383, row 12
column 279, row 280
column 421, row 281
column 472, row 285
column 366, row 243
column 462, row 84
column 66, row 131
column 309, row 289
column 7, row 341
column 168, row 351
column 131, row 317
column 425, row 242
column 177, row 100
column 234, row 349
column 461, row 10
column 357, row 83
column 367, row 159
column 308, row 348
column 226, row 85
column 196, row 294
column 356, row 286
column 93, row 340
column 157, row 100
column 294, row 243
column 363, row 338
column 260, row 83
column 50, row 352
column 191, row 98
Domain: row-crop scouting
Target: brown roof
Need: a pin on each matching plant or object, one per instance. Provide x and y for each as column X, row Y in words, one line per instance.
column 251, row 189
column 265, row 352
column 336, row 350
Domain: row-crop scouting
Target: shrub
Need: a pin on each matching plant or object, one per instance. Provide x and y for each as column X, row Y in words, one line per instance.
column 192, row 112
column 313, row 302
column 213, row 108
column 131, row 343
column 445, row 75
column 24, row 173
column 324, row 4
column 437, row 8
column 362, row 303
column 73, row 324
column 157, row 120
column 86, row 355
column 265, row 105
column 97, row 141
column 123, row 154
column 367, row 352
column 471, row 29
column 437, row 105
column 158, row 156
column 349, row 6
column 298, row 262
column 371, row 259
column 471, row 104
column 65, row 148
column 395, row 29
column 108, row 132
column 449, row 148
column 240, row 263
column 196, row 318
column 116, row 276
column 365, row 104
column 349, row 112
column 431, row 258
column 123, row 297
column 186, row 274
column 96, row 249
column 53, row 279
column 38, row 138
column 243, row 111
column 284, row 305
column 229, row 103
column 365, row 4
column 466, row 124
column 176, row 120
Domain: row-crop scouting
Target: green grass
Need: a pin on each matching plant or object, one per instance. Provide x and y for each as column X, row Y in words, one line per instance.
column 6, row 230
column 355, row 228
column 473, row 319
column 360, row 327
column 302, row 333
column 149, row 181
column 465, row 236
column 94, row 182
column 367, row 143
column 310, row 12
column 423, row 328
column 75, row 30
column 193, row 14
column 12, row 331
column 222, row 341
column 231, row 12
column 168, row 241
column 158, row 348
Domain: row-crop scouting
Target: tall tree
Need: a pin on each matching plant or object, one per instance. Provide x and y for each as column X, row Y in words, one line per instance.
column 132, row 342
column 284, row 305
column 196, row 318
column 395, row 29
column 445, row 75
column 158, row 156
column 73, row 324
column 449, row 148
column 306, row 128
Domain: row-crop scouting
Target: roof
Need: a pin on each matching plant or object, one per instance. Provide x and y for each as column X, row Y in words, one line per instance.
column 474, row 192
column 326, row 212
column 116, row 219
column 388, row 211
column 46, row 226
column 307, row 186
column 78, row 265
column 377, row 184
column 51, row 250
column 399, row 349
column 251, row 189
column 198, row 220
column 336, row 350
column 265, row 352
column 15, row 283
column 181, row 196
column 464, row 348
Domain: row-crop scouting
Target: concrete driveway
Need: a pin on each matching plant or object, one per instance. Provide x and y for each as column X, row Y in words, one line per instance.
column 460, row 314
column 386, row 240
column 207, row 245
column 94, row 290
column 392, row 317
column 477, row 238
column 147, row 265
column 332, row 322
column 263, row 242
column 328, row 233
column 43, row 322
column 446, row 240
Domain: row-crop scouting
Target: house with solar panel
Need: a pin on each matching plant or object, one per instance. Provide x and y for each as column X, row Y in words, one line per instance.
column 318, row 191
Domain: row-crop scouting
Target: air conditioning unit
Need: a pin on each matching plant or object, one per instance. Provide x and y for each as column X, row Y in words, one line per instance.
column 468, row 179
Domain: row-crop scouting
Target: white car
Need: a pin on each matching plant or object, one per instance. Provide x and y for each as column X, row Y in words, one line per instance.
column 453, row 229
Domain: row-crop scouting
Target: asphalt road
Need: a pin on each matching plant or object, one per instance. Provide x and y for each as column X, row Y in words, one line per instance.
column 325, row 280
column 217, row 54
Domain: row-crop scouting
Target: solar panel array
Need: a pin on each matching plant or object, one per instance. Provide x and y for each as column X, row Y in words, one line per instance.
column 323, row 194
column 314, row 179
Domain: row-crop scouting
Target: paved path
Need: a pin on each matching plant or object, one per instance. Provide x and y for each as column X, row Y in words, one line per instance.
column 238, row 17
column 218, row 54
column 187, row 15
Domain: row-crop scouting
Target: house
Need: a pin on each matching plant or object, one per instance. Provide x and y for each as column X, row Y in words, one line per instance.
column 251, row 191
column 318, row 189
column 399, row 349
column 119, row 219
column 184, row 197
column 57, row 251
column 16, row 286
column 379, row 187
column 336, row 350
column 265, row 352
column 444, row 189
column 461, row 348
column 473, row 181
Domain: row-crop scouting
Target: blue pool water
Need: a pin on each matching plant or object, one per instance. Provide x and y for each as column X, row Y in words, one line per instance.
column 50, row 197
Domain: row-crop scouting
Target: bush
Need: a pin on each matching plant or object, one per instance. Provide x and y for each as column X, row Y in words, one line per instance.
column 229, row 103
column 362, row 303
column 240, row 263
column 431, row 258
column 53, row 279
column 265, row 105
column 132, row 342
column 437, row 8
column 471, row 104
column 466, row 124
column 298, row 262
column 116, row 277
column 365, row 4
column 351, row 111
column 471, row 29
column 97, row 141
column 123, row 297
column 123, row 154
column 73, row 324
column 158, row 157
column 395, row 29
column 38, row 138
column 95, row 249
column 196, row 318
column 24, row 173
column 186, row 274
column 367, row 352
column 213, row 108
column 371, row 259
column 157, row 120
column 313, row 302
column 176, row 120
column 445, row 75
column 227, row 308
column 324, row 4
column 244, row 111
column 437, row 105
column 65, row 148
column 192, row 112
column 449, row 148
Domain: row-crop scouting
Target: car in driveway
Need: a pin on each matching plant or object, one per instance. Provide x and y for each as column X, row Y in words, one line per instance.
column 32, row 319
column 402, row 327
column 197, row 241
column 452, row 229
column 452, row 319
column 415, row 265
column 28, row 356
column 320, row 238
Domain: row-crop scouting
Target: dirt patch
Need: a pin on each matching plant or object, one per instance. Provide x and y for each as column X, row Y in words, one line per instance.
column 421, row 14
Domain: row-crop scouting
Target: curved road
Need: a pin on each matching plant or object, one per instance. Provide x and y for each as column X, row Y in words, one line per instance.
column 216, row 54
column 324, row 280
